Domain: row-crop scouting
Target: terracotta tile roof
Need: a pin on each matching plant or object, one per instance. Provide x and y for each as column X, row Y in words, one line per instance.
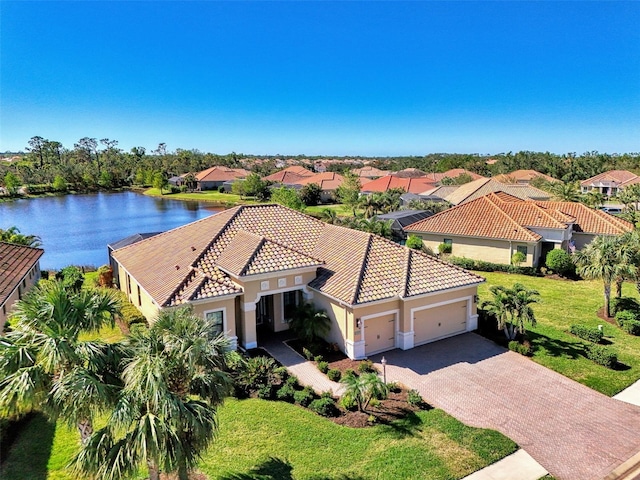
column 369, row 172
column 453, row 173
column 612, row 177
column 502, row 216
column 290, row 175
column 483, row 186
column 522, row 176
column 15, row 263
column 410, row 185
column 352, row 266
column 427, row 274
column 221, row 174
column 326, row 180
column 409, row 173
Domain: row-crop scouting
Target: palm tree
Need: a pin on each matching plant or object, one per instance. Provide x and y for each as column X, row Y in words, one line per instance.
column 511, row 307
column 329, row 216
column 522, row 298
column 593, row 199
column 364, row 388
column 13, row 235
column 369, row 203
column 500, row 307
column 600, row 259
column 310, row 324
column 565, row 192
column 43, row 364
column 166, row 414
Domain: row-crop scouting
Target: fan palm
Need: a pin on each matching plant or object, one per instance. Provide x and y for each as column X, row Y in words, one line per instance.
column 166, row 413
column 364, row 388
column 43, row 364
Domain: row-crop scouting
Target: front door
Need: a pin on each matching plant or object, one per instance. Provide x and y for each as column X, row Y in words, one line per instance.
column 264, row 312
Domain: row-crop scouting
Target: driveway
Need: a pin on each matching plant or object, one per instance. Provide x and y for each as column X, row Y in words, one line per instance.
column 574, row 432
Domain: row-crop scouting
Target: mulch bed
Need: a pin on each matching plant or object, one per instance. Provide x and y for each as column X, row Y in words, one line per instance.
column 603, row 316
column 394, row 407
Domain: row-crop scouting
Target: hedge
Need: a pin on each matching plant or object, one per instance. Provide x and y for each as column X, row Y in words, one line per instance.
column 586, row 333
column 129, row 314
column 482, row 266
column 624, row 303
column 601, row 355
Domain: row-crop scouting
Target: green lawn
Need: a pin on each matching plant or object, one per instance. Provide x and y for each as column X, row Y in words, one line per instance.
column 563, row 303
column 213, row 196
column 275, row 440
column 340, row 209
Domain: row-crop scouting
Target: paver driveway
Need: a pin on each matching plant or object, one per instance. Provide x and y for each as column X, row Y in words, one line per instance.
column 574, row 432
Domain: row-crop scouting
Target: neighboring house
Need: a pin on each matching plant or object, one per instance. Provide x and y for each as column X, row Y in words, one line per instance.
column 493, row 227
column 401, row 219
column 289, row 176
column 368, row 172
column 19, row 271
column 522, row 177
column 453, row 173
column 328, row 183
column 457, row 195
column 248, row 267
column 409, row 173
column 609, row 183
column 125, row 242
column 408, row 184
column 215, row 177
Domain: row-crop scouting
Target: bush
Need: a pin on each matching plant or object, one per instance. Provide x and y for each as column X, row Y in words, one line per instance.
column 394, row 387
column 444, row 248
column 560, row 262
column 624, row 316
column 414, row 398
column 257, row 373
column 414, row 242
column 304, row 397
column 348, row 403
column 318, row 358
column 221, row 189
column 601, row 355
column 366, row 366
column 586, row 333
column 308, row 354
column 631, row 326
column 292, row 380
column 349, row 372
column 323, row 367
column 71, row 277
column 324, row 406
column 265, row 392
column 286, row 393
column 479, row 265
column 624, row 303
column 334, row 375
column 129, row 314
column 521, row 348
column 517, row 258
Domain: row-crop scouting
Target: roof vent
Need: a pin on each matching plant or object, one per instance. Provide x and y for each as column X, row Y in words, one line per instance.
column 193, row 249
column 177, row 267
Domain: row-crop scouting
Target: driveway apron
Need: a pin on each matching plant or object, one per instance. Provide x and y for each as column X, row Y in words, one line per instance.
column 573, row 431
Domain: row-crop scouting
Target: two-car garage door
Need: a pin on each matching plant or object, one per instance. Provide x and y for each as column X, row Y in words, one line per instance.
column 439, row 322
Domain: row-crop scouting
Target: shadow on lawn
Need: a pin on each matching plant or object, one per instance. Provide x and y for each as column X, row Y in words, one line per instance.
column 406, row 426
column 556, row 347
column 28, row 453
column 277, row 469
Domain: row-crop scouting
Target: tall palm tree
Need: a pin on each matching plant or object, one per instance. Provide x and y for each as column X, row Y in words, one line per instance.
column 329, row 216
column 13, row 235
column 43, row 364
column 599, row 260
column 500, row 307
column 565, row 192
column 166, row 414
column 364, row 388
column 521, row 300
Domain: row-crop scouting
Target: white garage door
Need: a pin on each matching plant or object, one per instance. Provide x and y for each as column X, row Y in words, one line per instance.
column 379, row 334
column 439, row 322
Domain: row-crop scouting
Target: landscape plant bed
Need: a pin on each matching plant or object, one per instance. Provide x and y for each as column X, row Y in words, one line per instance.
column 395, row 407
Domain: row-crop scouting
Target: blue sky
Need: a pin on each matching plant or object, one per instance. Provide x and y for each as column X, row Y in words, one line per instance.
column 323, row 78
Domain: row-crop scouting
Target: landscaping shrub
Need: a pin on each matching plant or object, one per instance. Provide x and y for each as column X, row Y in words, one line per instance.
column 71, row 277
column 394, row 387
column 349, row 372
column 348, row 403
column 308, row 354
column 444, row 248
column 521, row 348
column 334, row 375
column 304, row 397
column 265, row 392
column 281, row 372
column 624, row 303
column 318, row 358
column 624, row 316
column 323, row 366
column 632, row 327
column 257, row 373
column 366, row 366
column 479, row 265
column 129, row 314
column 414, row 398
column 292, row 380
column 601, row 355
column 324, row 406
column 560, row 262
column 286, row 393
column 586, row 333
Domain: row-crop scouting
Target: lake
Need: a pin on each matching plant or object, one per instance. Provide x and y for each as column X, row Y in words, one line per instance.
column 75, row 229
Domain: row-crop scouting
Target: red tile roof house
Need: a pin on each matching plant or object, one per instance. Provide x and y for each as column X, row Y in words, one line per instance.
column 523, row 177
column 289, row 176
column 408, row 184
column 214, row 177
column 19, row 271
column 368, row 172
column 328, row 183
column 493, row 227
column 609, row 183
column 247, row 267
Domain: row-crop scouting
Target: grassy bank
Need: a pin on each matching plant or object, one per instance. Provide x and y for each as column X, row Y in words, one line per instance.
column 563, row 303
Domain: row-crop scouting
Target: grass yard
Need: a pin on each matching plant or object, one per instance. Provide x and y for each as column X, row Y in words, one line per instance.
column 261, row 440
column 213, row 196
column 340, row 209
column 563, row 303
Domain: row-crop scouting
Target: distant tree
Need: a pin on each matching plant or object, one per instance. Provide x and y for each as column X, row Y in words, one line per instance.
column 593, row 199
column 428, row 205
column 71, row 278
column 329, row 216
column 349, row 192
column 36, row 146
column 459, row 180
column 565, row 192
column 254, row 186
column 13, row 235
column 310, row 194
column 59, row 183
column 288, row 197
column 11, row 183
column 160, row 181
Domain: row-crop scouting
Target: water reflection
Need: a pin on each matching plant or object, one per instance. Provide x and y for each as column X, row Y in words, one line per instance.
column 75, row 229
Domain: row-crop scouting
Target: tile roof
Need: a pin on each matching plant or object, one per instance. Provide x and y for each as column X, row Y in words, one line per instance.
column 369, row 172
column 326, row 180
column 502, row 216
column 613, row 177
column 483, row 186
column 15, row 263
column 290, row 175
column 409, row 173
column 410, row 185
column 522, row 176
column 453, row 173
column 199, row 260
column 221, row 174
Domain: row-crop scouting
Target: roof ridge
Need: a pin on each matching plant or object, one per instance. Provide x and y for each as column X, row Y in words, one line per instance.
column 545, row 212
column 528, row 232
column 23, row 246
column 253, row 254
column 182, row 284
column 215, row 238
column 404, row 288
column 363, row 265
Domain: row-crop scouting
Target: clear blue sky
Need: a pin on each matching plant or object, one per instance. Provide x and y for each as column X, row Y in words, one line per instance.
column 323, row 78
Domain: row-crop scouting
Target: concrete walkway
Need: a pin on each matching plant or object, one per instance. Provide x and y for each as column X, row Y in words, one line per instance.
column 517, row 466
column 630, row 394
column 305, row 371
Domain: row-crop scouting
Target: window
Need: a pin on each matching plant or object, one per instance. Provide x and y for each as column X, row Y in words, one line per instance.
column 216, row 317
column 139, row 298
column 447, row 241
column 4, row 309
column 291, row 301
column 128, row 284
column 522, row 249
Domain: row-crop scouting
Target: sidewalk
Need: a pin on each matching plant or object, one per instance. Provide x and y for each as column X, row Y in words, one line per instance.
column 517, row 466
column 630, row 394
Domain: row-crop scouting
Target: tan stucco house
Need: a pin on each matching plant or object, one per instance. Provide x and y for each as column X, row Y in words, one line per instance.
column 19, row 271
column 609, row 183
column 493, row 227
column 248, row 267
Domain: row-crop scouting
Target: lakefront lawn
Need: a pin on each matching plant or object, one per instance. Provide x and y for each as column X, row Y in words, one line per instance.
column 261, row 439
column 564, row 303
